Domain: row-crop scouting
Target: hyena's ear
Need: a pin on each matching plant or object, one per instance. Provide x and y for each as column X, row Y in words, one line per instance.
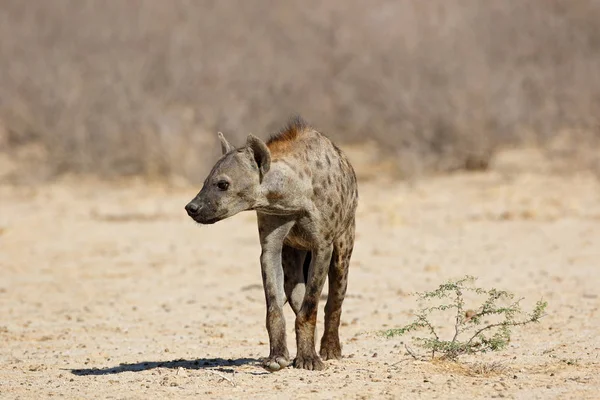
column 262, row 154
column 226, row 147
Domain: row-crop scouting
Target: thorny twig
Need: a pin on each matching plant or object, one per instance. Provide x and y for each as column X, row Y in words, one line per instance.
column 409, row 350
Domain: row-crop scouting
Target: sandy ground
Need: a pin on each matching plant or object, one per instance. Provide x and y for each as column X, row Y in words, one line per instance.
column 110, row 291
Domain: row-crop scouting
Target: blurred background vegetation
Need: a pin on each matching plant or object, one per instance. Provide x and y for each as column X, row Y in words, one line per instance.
column 140, row 87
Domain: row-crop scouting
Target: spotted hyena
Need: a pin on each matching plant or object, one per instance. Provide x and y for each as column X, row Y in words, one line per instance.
column 304, row 192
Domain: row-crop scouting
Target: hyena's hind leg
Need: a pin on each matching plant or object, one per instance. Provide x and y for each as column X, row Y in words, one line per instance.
column 294, row 271
column 338, row 282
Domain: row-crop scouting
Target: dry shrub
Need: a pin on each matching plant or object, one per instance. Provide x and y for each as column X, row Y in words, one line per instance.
column 486, row 327
column 123, row 87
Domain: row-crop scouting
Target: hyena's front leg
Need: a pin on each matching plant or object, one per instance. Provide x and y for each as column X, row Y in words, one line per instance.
column 272, row 233
column 306, row 319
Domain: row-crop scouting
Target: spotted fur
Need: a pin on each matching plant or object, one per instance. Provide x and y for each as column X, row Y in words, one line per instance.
column 305, row 194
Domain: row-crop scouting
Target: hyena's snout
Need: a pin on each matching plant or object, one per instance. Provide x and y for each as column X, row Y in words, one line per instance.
column 202, row 212
column 193, row 209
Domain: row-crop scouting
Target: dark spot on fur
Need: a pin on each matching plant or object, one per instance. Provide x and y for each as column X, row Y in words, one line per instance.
column 274, row 196
column 336, row 208
column 330, row 202
column 319, row 164
column 317, row 191
column 328, row 159
column 309, row 303
column 329, row 179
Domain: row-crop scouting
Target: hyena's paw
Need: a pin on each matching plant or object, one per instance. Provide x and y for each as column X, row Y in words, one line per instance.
column 311, row 362
column 276, row 363
column 330, row 349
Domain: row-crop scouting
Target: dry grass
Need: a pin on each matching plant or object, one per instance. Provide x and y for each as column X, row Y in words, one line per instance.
column 115, row 87
column 476, row 369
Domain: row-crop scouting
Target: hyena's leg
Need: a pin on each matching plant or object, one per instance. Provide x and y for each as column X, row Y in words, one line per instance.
column 272, row 231
column 306, row 319
column 293, row 262
column 338, row 282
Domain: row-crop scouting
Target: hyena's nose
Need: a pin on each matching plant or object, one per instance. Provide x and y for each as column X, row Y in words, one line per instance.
column 192, row 209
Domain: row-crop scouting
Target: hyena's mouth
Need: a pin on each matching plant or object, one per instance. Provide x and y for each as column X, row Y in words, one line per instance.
column 207, row 221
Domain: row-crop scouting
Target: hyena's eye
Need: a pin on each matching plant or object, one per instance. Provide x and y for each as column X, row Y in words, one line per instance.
column 223, row 185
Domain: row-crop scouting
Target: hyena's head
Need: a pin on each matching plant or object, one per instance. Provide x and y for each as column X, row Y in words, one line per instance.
column 233, row 185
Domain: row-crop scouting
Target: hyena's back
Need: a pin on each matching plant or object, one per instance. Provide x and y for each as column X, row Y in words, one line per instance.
column 319, row 163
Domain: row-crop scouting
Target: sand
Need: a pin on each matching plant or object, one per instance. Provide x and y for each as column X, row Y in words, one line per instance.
column 111, row 291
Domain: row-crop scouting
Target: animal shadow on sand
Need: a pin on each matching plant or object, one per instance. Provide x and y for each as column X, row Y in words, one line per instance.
column 202, row 363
